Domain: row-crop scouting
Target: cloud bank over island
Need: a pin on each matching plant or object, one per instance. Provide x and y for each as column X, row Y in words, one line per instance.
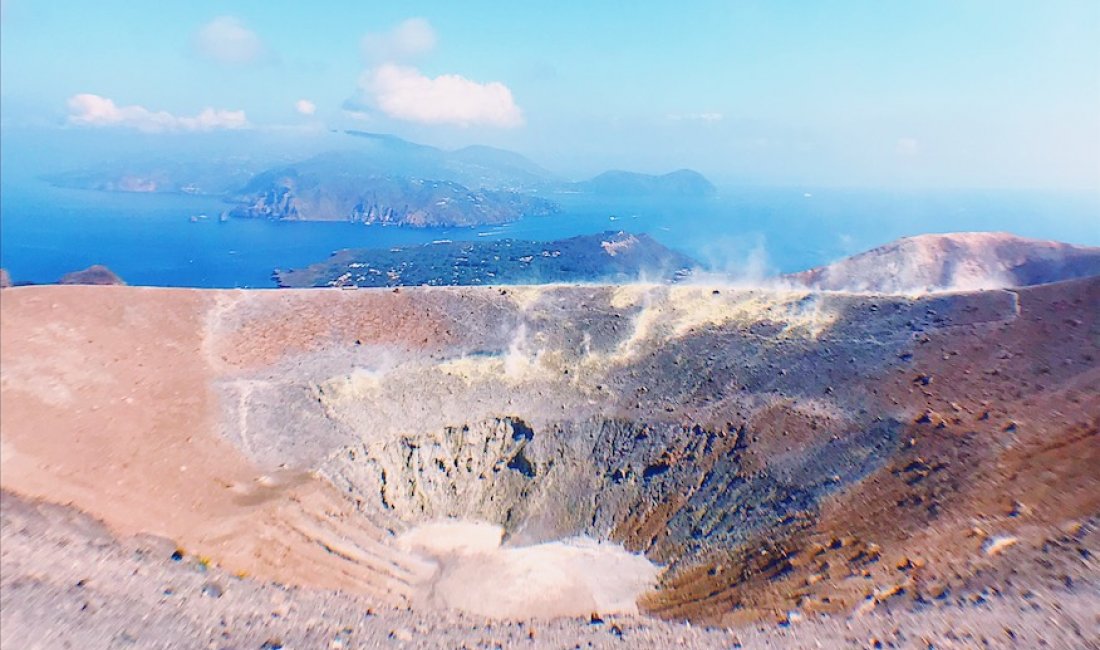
column 86, row 109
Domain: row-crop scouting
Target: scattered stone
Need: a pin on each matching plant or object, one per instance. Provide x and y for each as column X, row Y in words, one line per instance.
column 885, row 593
column 1072, row 528
column 999, row 543
column 341, row 639
column 125, row 638
column 933, row 418
column 867, row 606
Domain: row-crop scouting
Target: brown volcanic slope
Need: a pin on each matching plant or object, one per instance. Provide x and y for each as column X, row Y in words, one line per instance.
column 965, row 261
column 784, row 454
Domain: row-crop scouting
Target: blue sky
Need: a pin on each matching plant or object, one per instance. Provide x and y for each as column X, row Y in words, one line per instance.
column 848, row 93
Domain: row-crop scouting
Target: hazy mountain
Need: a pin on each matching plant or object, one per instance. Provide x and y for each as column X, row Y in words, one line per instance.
column 499, row 168
column 210, row 176
column 684, row 182
column 375, row 178
column 351, row 186
column 362, row 152
column 956, row 261
column 477, row 167
column 214, row 172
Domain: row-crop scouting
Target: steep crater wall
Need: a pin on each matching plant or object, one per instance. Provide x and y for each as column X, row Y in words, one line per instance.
column 706, row 430
column 670, row 491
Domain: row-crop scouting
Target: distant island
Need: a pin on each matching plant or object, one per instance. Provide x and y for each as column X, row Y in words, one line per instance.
column 606, row 257
column 382, row 179
column 684, row 182
column 324, row 189
column 94, row 274
column 208, row 176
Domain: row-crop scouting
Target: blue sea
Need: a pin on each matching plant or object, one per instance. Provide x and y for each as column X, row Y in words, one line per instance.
column 150, row 239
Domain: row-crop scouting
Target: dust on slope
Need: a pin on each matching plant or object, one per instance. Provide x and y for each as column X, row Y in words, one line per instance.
column 108, row 405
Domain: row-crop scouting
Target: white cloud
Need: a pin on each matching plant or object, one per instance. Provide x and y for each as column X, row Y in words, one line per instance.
column 226, row 40
column 92, row 110
column 408, row 39
column 696, row 117
column 305, row 107
column 394, row 88
column 907, row 146
column 404, row 93
column 357, row 115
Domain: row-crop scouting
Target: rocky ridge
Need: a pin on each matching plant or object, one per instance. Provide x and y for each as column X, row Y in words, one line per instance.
column 965, row 261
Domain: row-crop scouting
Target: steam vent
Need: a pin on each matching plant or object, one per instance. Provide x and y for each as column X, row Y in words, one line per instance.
column 371, row 466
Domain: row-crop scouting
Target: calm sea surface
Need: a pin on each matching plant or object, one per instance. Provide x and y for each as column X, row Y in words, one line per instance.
column 150, row 239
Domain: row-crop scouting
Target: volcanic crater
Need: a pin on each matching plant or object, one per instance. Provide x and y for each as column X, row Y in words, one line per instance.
column 721, row 456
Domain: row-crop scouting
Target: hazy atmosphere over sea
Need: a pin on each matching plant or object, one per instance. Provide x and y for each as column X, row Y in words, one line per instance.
column 986, row 94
